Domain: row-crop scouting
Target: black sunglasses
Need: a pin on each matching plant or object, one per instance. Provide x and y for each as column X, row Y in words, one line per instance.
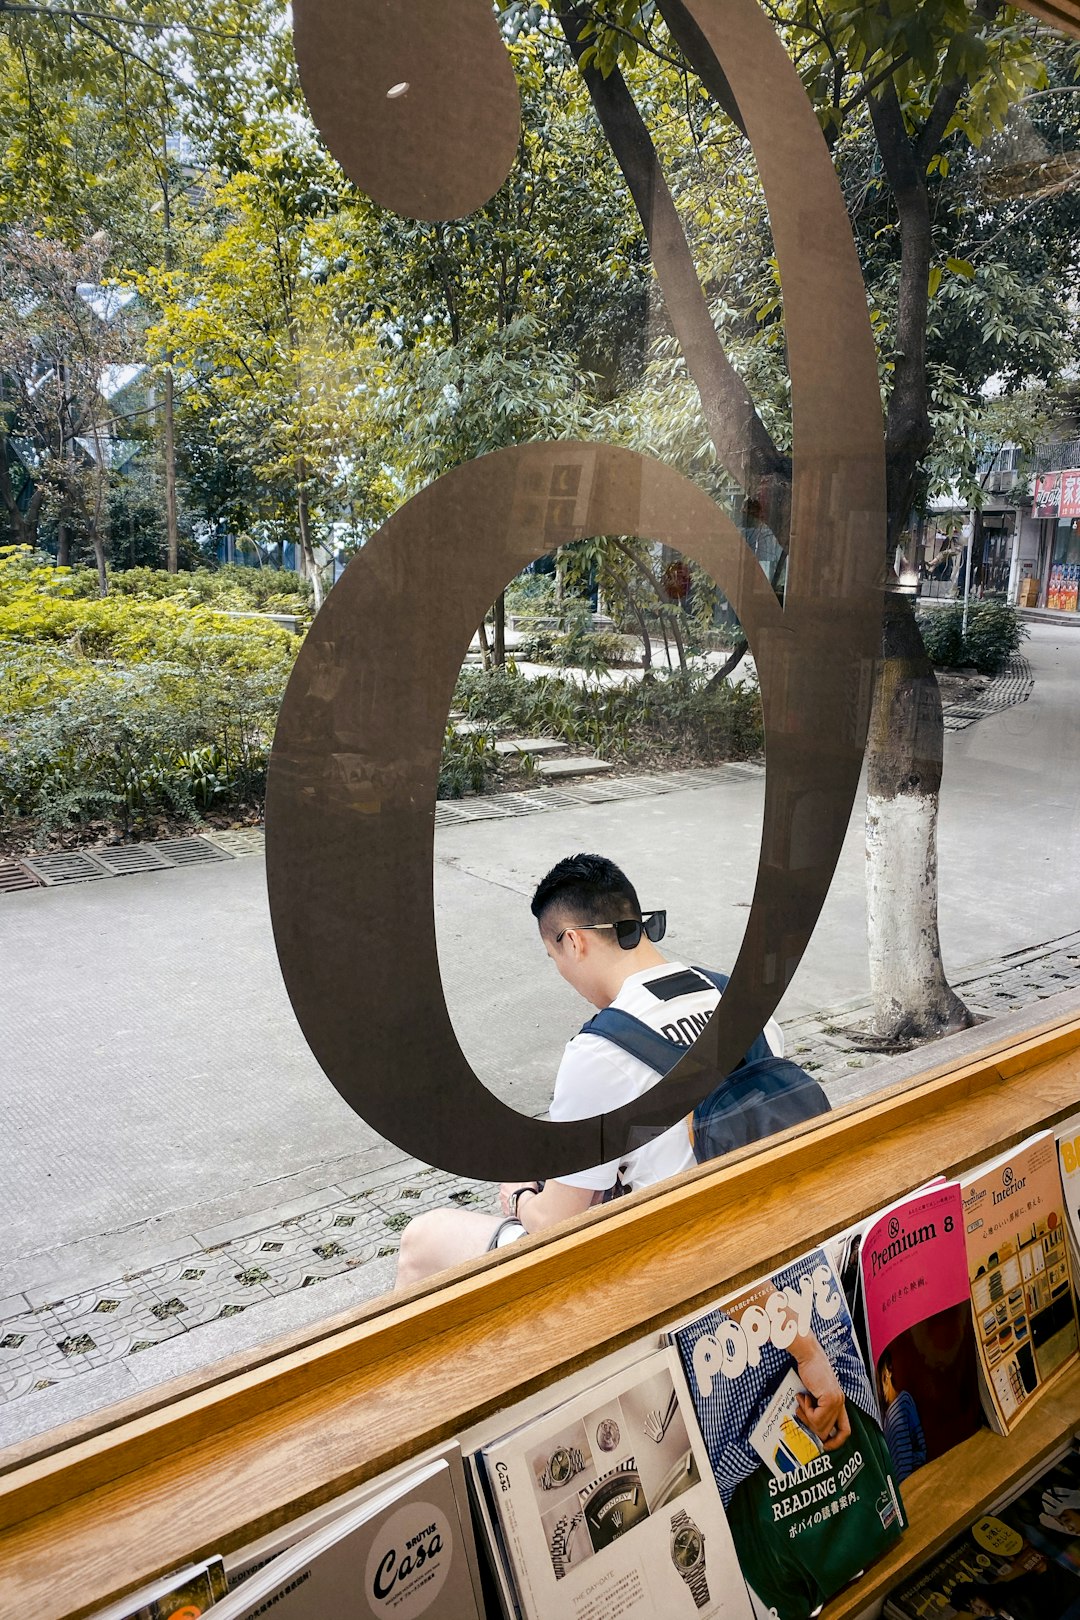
column 628, row 930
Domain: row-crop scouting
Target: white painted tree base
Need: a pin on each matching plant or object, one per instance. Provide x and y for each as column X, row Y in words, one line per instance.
column 910, row 992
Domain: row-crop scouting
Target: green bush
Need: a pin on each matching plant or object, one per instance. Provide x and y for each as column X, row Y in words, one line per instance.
column 229, row 588
column 994, row 632
column 41, row 604
column 673, row 716
column 468, row 763
column 126, row 708
column 129, row 745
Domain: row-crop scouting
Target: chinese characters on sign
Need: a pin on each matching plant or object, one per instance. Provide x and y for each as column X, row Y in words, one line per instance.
column 1057, row 494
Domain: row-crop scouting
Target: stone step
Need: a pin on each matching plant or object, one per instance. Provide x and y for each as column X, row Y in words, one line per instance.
column 531, row 745
column 556, row 769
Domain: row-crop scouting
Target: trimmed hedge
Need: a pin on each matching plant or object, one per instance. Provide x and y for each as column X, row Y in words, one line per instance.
column 994, row 632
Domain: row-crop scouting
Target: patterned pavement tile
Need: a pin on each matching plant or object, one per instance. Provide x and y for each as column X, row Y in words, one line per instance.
column 201, row 1289
column 109, row 1322
column 28, row 1353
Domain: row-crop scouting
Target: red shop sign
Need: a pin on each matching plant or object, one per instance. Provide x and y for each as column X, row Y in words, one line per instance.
column 1044, row 502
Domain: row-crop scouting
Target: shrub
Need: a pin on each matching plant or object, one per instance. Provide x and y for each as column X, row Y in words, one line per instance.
column 128, row 745
column 942, row 635
column 673, row 715
column 468, row 763
column 994, row 632
column 126, row 708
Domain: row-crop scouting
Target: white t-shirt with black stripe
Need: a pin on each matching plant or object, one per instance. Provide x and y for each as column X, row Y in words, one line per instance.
column 596, row 1076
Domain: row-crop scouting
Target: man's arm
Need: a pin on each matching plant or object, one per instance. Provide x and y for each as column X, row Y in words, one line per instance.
column 557, row 1202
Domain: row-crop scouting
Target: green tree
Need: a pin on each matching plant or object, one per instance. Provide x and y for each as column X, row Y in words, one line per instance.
column 55, row 348
column 255, row 322
column 898, row 88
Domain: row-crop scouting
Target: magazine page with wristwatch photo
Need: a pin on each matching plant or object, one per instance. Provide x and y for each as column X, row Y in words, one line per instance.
column 606, row 1505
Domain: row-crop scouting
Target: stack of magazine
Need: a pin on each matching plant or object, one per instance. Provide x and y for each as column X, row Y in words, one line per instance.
column 400, row 1546
column 745, row 1465
column 739, row 1471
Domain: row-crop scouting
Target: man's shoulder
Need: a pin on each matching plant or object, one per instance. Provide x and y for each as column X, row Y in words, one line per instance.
column 648, row 995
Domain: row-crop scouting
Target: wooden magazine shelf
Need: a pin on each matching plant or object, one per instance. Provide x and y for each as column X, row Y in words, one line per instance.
column 214, row 1461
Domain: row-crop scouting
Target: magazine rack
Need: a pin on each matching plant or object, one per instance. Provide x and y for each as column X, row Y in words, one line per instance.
column 209, row 1463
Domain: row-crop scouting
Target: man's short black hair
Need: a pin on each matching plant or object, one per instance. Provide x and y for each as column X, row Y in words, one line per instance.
column 586, row 889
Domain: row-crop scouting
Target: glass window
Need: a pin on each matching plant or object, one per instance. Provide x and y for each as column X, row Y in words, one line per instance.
column 432, row 455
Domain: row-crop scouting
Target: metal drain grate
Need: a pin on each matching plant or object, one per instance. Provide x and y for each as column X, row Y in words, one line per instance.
column 239, row 840
column 593, row 792
column 482, row 809
column 66, row 866
column 123, row 859
column 192, row 851
column 637, row 787
column 512, row 804
column 448, row 814
column 552, row 798
column 13, row 875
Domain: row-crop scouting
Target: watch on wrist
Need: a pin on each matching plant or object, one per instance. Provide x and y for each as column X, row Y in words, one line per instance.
column 563, row 1464
column 688, row 1555
column 515, row 1199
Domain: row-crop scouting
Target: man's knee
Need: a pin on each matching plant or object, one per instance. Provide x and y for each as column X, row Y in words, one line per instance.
column 417, row 1253
column 442, row 1238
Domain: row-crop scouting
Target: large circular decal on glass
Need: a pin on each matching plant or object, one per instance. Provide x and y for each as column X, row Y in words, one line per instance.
column 351, row 797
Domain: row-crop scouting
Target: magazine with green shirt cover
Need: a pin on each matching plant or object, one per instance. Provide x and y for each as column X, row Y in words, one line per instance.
column 790, row 1423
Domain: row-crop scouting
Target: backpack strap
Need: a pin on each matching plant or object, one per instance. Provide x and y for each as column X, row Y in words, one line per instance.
column 624, row 1030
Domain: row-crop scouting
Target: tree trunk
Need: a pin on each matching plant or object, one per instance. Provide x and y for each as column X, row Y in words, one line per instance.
column 499, row 630
column 171, row 527
column 646, row 640
column 485, row 650
column 309, row 566
column 63, row 544
column 912, row 998
column 23, row 524
column 98, row 543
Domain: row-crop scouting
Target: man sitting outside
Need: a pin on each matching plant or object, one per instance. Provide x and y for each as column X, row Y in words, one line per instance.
column 593, row 929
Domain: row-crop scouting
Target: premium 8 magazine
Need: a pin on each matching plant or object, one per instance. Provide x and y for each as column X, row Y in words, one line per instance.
column 917, row 1305
column 1018, row 1264
column 606, row 1506
column 767, row 1369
